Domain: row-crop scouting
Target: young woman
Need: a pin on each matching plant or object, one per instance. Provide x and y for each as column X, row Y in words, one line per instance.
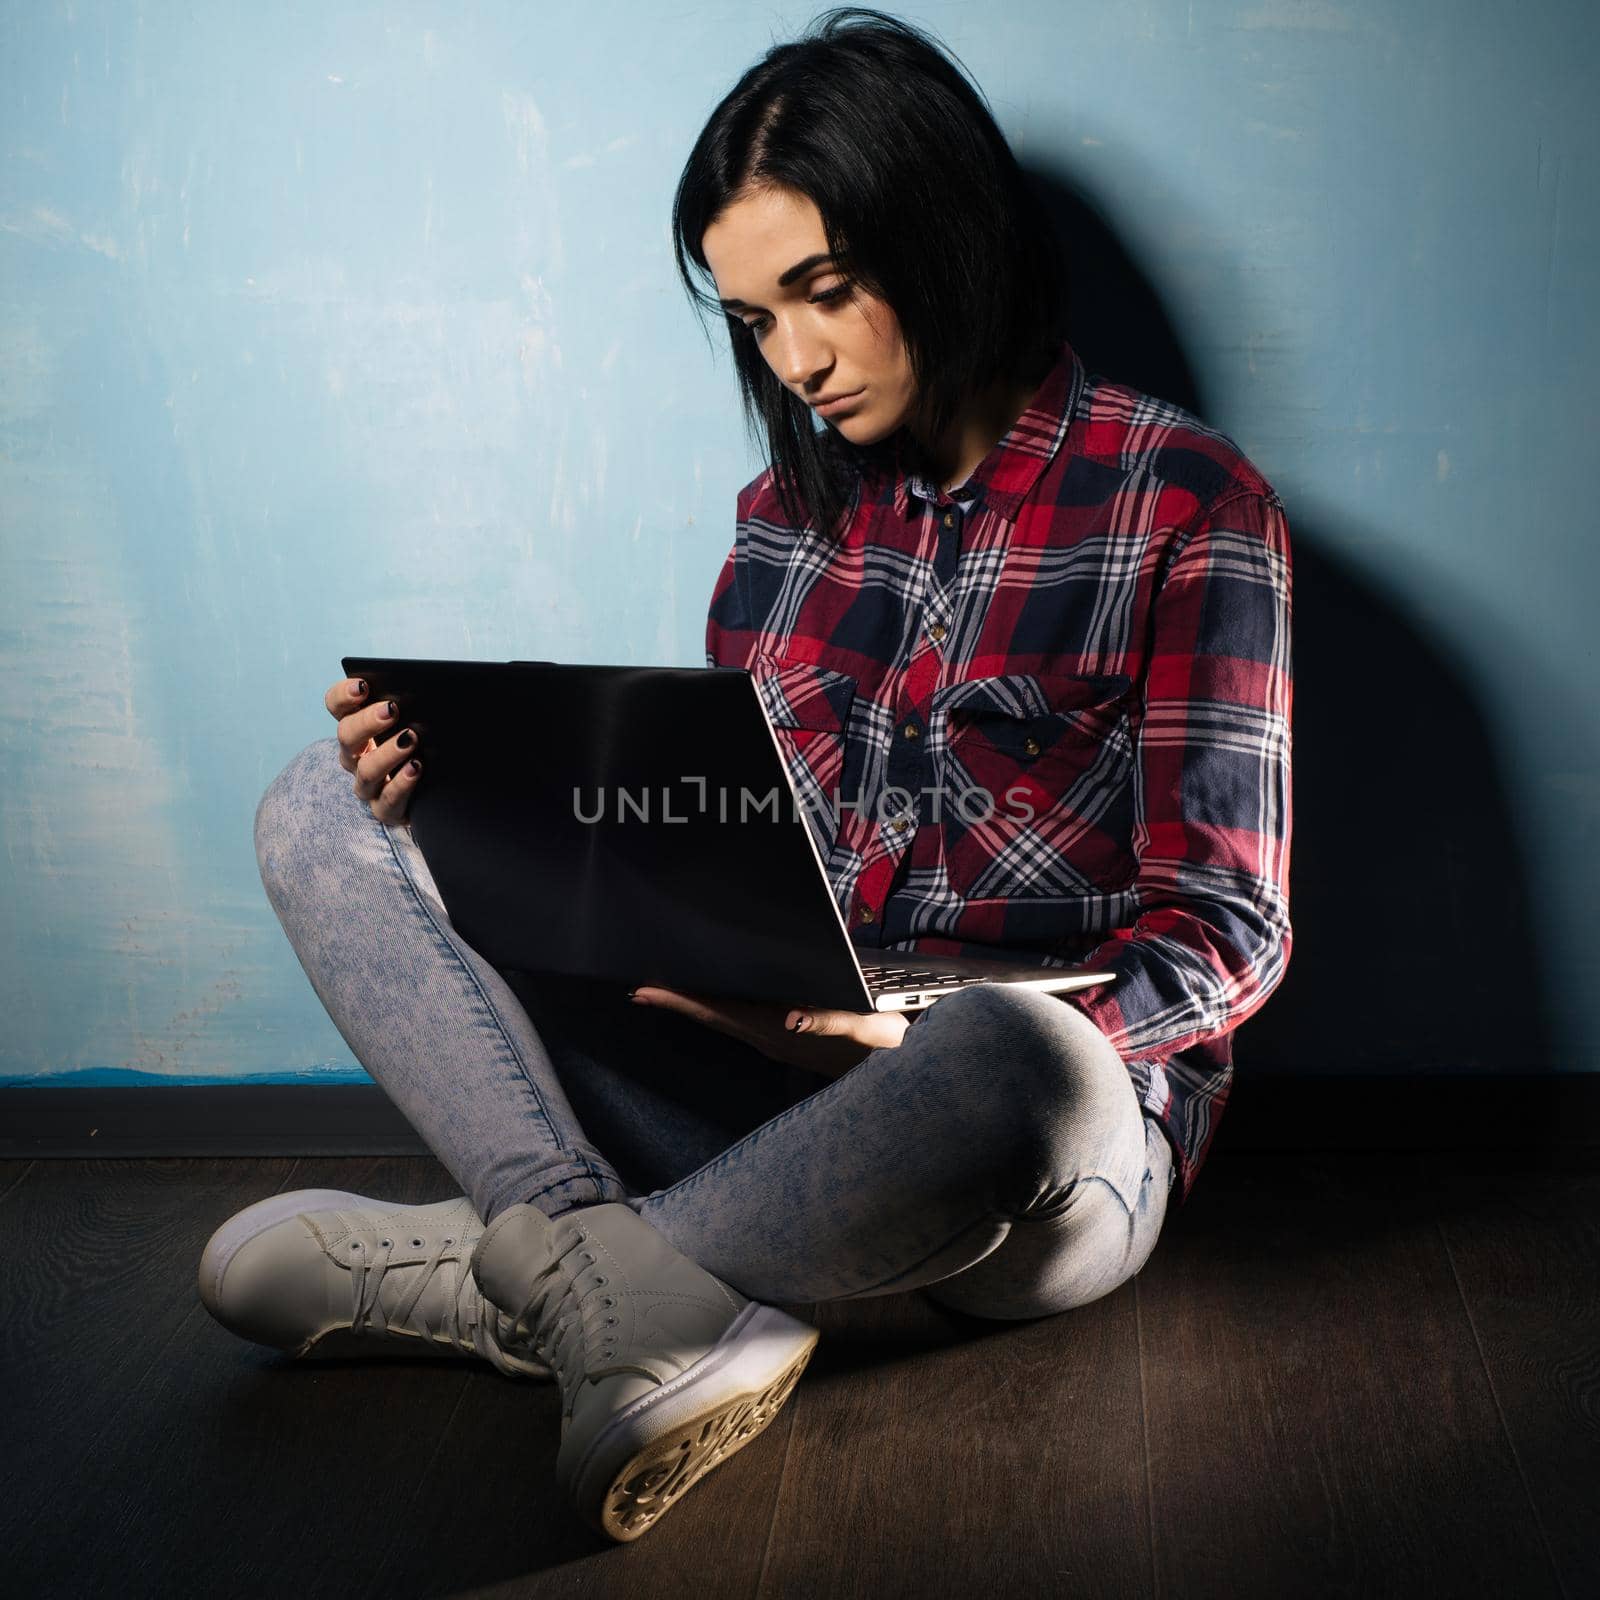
column 969, row 566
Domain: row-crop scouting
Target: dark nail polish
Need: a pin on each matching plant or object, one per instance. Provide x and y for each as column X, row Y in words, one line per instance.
column 406, row 740
column 361, row 687
column 413, row 767
column 389, row 711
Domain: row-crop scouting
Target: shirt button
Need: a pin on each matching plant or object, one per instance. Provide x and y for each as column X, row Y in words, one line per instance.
column 1031, row 746
column 912, row 731
column 899, row 825
column 949, row 519
column 936, row 632
column 865, row 913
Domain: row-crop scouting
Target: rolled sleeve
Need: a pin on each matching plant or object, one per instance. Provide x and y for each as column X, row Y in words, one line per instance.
column 1213, row 793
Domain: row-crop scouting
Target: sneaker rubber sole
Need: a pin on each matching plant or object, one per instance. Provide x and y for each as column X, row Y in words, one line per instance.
column 647, row 1455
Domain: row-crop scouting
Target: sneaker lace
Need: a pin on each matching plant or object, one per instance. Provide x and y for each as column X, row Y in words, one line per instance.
column 560, row 1319
column 462, row 1324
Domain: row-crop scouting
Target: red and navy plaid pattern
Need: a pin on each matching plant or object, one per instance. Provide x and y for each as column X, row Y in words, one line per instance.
column 1048, row 715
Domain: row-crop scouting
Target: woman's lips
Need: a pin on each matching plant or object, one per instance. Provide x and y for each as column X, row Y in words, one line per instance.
column 843, row 403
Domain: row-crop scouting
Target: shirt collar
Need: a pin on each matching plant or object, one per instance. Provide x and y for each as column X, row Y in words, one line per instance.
column 1006, row 476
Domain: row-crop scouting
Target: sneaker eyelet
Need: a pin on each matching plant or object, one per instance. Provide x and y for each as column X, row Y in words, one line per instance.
column 355, row 1244
column 611, row 1319
column 416, row 1244
column 386, row 1243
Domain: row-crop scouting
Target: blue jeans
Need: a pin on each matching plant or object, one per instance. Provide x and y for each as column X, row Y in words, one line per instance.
column 997, row 1158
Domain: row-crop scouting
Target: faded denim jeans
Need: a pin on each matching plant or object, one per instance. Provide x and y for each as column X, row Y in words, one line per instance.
column 997, row 1158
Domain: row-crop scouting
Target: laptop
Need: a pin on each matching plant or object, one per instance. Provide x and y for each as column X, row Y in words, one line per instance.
column 638, row 825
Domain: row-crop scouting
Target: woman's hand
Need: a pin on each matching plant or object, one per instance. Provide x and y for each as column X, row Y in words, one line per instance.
column 384, row 772
column 831, row 1043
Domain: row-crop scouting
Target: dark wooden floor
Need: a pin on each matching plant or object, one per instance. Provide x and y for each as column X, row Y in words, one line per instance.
column 1357, row 1375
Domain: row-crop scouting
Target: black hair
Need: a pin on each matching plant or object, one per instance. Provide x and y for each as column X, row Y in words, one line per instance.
column 924, row 206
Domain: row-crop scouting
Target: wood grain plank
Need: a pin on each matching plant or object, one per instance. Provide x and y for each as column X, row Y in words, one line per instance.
column 98, row 1261
column 229, row 1469
column 1319, row 1418
column 1523, row 1234
column 12, row 1174
column 935, row 1453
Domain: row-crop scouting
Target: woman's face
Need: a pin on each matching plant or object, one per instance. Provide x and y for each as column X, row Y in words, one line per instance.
column 819, row 348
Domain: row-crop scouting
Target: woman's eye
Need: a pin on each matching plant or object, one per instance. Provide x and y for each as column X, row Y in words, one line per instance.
column 758, row 325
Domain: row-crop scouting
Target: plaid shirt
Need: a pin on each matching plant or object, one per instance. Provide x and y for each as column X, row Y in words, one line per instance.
column 1048, row 716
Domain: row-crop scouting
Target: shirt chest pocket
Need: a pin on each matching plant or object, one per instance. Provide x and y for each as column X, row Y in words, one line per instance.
column 809, row 709
column 1035, row 797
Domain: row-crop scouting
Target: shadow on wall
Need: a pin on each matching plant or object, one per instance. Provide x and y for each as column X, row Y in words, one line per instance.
column 1415, row 948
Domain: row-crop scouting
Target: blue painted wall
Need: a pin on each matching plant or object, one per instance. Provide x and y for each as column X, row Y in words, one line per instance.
column 334, row 329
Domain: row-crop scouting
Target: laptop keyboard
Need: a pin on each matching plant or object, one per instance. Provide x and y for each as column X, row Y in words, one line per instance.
column 880, row 978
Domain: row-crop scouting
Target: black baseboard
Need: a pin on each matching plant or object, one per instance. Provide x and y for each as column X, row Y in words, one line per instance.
column 1446, row 1111
column 1412, row 1111
column 247, row 1119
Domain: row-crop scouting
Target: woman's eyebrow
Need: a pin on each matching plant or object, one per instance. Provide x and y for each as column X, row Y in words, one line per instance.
column 787, row 278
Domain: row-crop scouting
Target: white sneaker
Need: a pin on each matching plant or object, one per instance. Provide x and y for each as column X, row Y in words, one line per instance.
column 665, row 1371
column 342, row 1274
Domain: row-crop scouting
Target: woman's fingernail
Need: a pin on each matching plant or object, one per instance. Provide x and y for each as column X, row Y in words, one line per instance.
column 360, row 688
column 413, row 768
column 389, row 711
column 801, row 1024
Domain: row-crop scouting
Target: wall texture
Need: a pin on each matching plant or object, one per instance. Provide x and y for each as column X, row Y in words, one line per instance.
column 335, row 329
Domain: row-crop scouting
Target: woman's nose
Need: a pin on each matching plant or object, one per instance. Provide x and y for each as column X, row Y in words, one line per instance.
column 801, row 362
